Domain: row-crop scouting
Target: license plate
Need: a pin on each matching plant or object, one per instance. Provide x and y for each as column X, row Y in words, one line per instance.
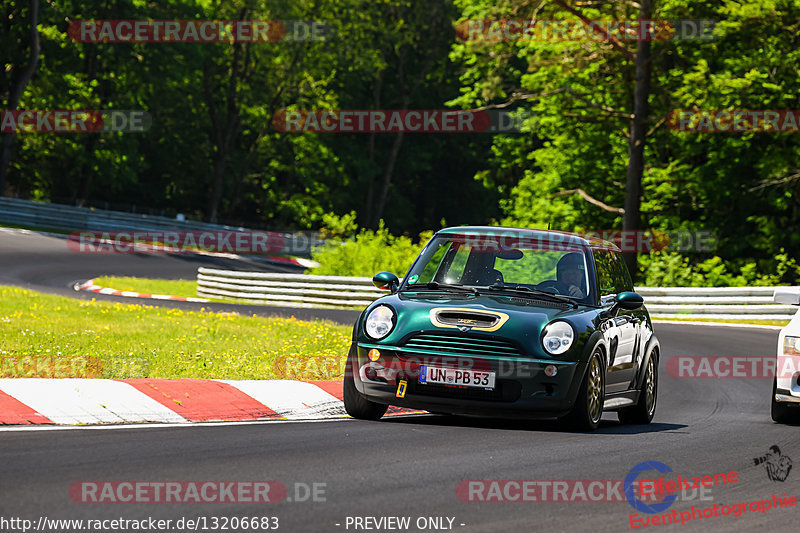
column 452, row 376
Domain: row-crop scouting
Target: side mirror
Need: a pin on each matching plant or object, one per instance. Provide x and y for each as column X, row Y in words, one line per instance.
column 629, row 300
column 787, row 295
column 386, row 281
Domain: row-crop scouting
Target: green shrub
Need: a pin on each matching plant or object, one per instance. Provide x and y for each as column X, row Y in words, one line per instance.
column 366, row 252
column 659, row 269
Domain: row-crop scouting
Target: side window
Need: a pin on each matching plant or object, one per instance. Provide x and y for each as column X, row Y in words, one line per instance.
column 605, row 266
column 623, row 280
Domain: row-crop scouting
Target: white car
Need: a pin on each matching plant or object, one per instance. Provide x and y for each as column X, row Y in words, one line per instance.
column 786, row 386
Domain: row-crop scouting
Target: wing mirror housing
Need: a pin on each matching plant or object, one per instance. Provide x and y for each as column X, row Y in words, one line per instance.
column 386, row 281
column 629, row 300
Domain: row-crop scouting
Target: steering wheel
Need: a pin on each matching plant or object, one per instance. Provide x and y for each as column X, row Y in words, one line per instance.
column 549, row 284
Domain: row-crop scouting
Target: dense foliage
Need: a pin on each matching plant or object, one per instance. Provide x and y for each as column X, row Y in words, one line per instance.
column 212, row 151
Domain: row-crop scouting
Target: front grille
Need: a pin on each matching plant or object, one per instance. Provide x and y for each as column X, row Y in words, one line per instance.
column 461, row 345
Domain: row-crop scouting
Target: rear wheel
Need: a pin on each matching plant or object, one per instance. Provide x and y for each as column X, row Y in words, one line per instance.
column 645, row 408
column 355, row 403
column 588, row 410
column 780, row 412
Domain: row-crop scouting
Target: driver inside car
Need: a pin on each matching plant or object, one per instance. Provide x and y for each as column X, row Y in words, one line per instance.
column 570, row 275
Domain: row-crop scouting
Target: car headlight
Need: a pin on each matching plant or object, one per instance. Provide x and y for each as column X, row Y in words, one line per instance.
column 791, row 345
column 380, row 322
column 558, row 337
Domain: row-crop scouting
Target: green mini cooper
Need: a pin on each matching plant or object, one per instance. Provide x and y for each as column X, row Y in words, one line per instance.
column 510, row 323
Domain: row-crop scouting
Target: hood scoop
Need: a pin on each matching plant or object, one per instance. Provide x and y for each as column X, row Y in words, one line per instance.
column 467, row 318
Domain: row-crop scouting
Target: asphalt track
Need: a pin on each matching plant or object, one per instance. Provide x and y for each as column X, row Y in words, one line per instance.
column 411, row 466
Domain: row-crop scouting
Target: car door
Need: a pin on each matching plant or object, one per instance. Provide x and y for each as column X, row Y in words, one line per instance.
column 619, row 327
column 629, row 322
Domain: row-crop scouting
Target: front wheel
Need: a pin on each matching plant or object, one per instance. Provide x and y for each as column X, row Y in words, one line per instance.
column 645, row 408
column 355, row 403
column 781, row 413
column 588, row 410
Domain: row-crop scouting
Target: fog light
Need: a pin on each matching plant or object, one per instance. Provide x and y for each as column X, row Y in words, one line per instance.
column 550, row 370
column 374, row 354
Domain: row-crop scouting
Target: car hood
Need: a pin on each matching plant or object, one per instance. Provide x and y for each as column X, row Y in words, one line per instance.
column 522, row 318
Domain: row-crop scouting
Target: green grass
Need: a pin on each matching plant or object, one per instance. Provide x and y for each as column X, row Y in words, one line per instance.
column 181, row 287
column 35, row 228
column 729, row 321
column 43, row 335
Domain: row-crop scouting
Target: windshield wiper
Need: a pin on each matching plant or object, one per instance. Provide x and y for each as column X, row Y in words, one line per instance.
column 534, row 292
column 435, row 285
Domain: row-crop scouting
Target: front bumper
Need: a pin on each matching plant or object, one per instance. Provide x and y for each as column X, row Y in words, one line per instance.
column 522, row 389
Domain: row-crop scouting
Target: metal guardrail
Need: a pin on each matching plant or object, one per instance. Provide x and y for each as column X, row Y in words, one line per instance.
column 337, row 291
column 734, row 303
column 298, row 290
column 72, row 218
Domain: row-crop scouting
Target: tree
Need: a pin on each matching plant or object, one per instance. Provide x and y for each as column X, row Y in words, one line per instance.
column 596, row 116
column 19, row 75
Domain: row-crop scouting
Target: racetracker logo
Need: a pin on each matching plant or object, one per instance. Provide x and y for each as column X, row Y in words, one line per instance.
column 734, row 367
column 302, row 367
column 49, row 366
column 735, row 121
column 627, row 241
column 197, row 31
column 127, row 242
column 195, row 492
column 397, row 120
column 556, row 490
column 74, row 121
column 526, row 30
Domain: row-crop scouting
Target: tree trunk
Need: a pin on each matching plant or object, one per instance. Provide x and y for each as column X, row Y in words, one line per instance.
column 225, row 129
column 17, row 88
column 370, row 202
column 216, row 190
column 387, row 178
column 641, row 110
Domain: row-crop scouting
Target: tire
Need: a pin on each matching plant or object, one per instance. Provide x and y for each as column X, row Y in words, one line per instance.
column 355, row 403
column 781, row 413
column 588, row 409
column 645, row 408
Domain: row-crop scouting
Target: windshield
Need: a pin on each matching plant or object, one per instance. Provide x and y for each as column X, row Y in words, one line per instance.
column 480, row 261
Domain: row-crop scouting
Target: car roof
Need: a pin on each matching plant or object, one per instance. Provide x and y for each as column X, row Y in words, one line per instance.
column 589, row 241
